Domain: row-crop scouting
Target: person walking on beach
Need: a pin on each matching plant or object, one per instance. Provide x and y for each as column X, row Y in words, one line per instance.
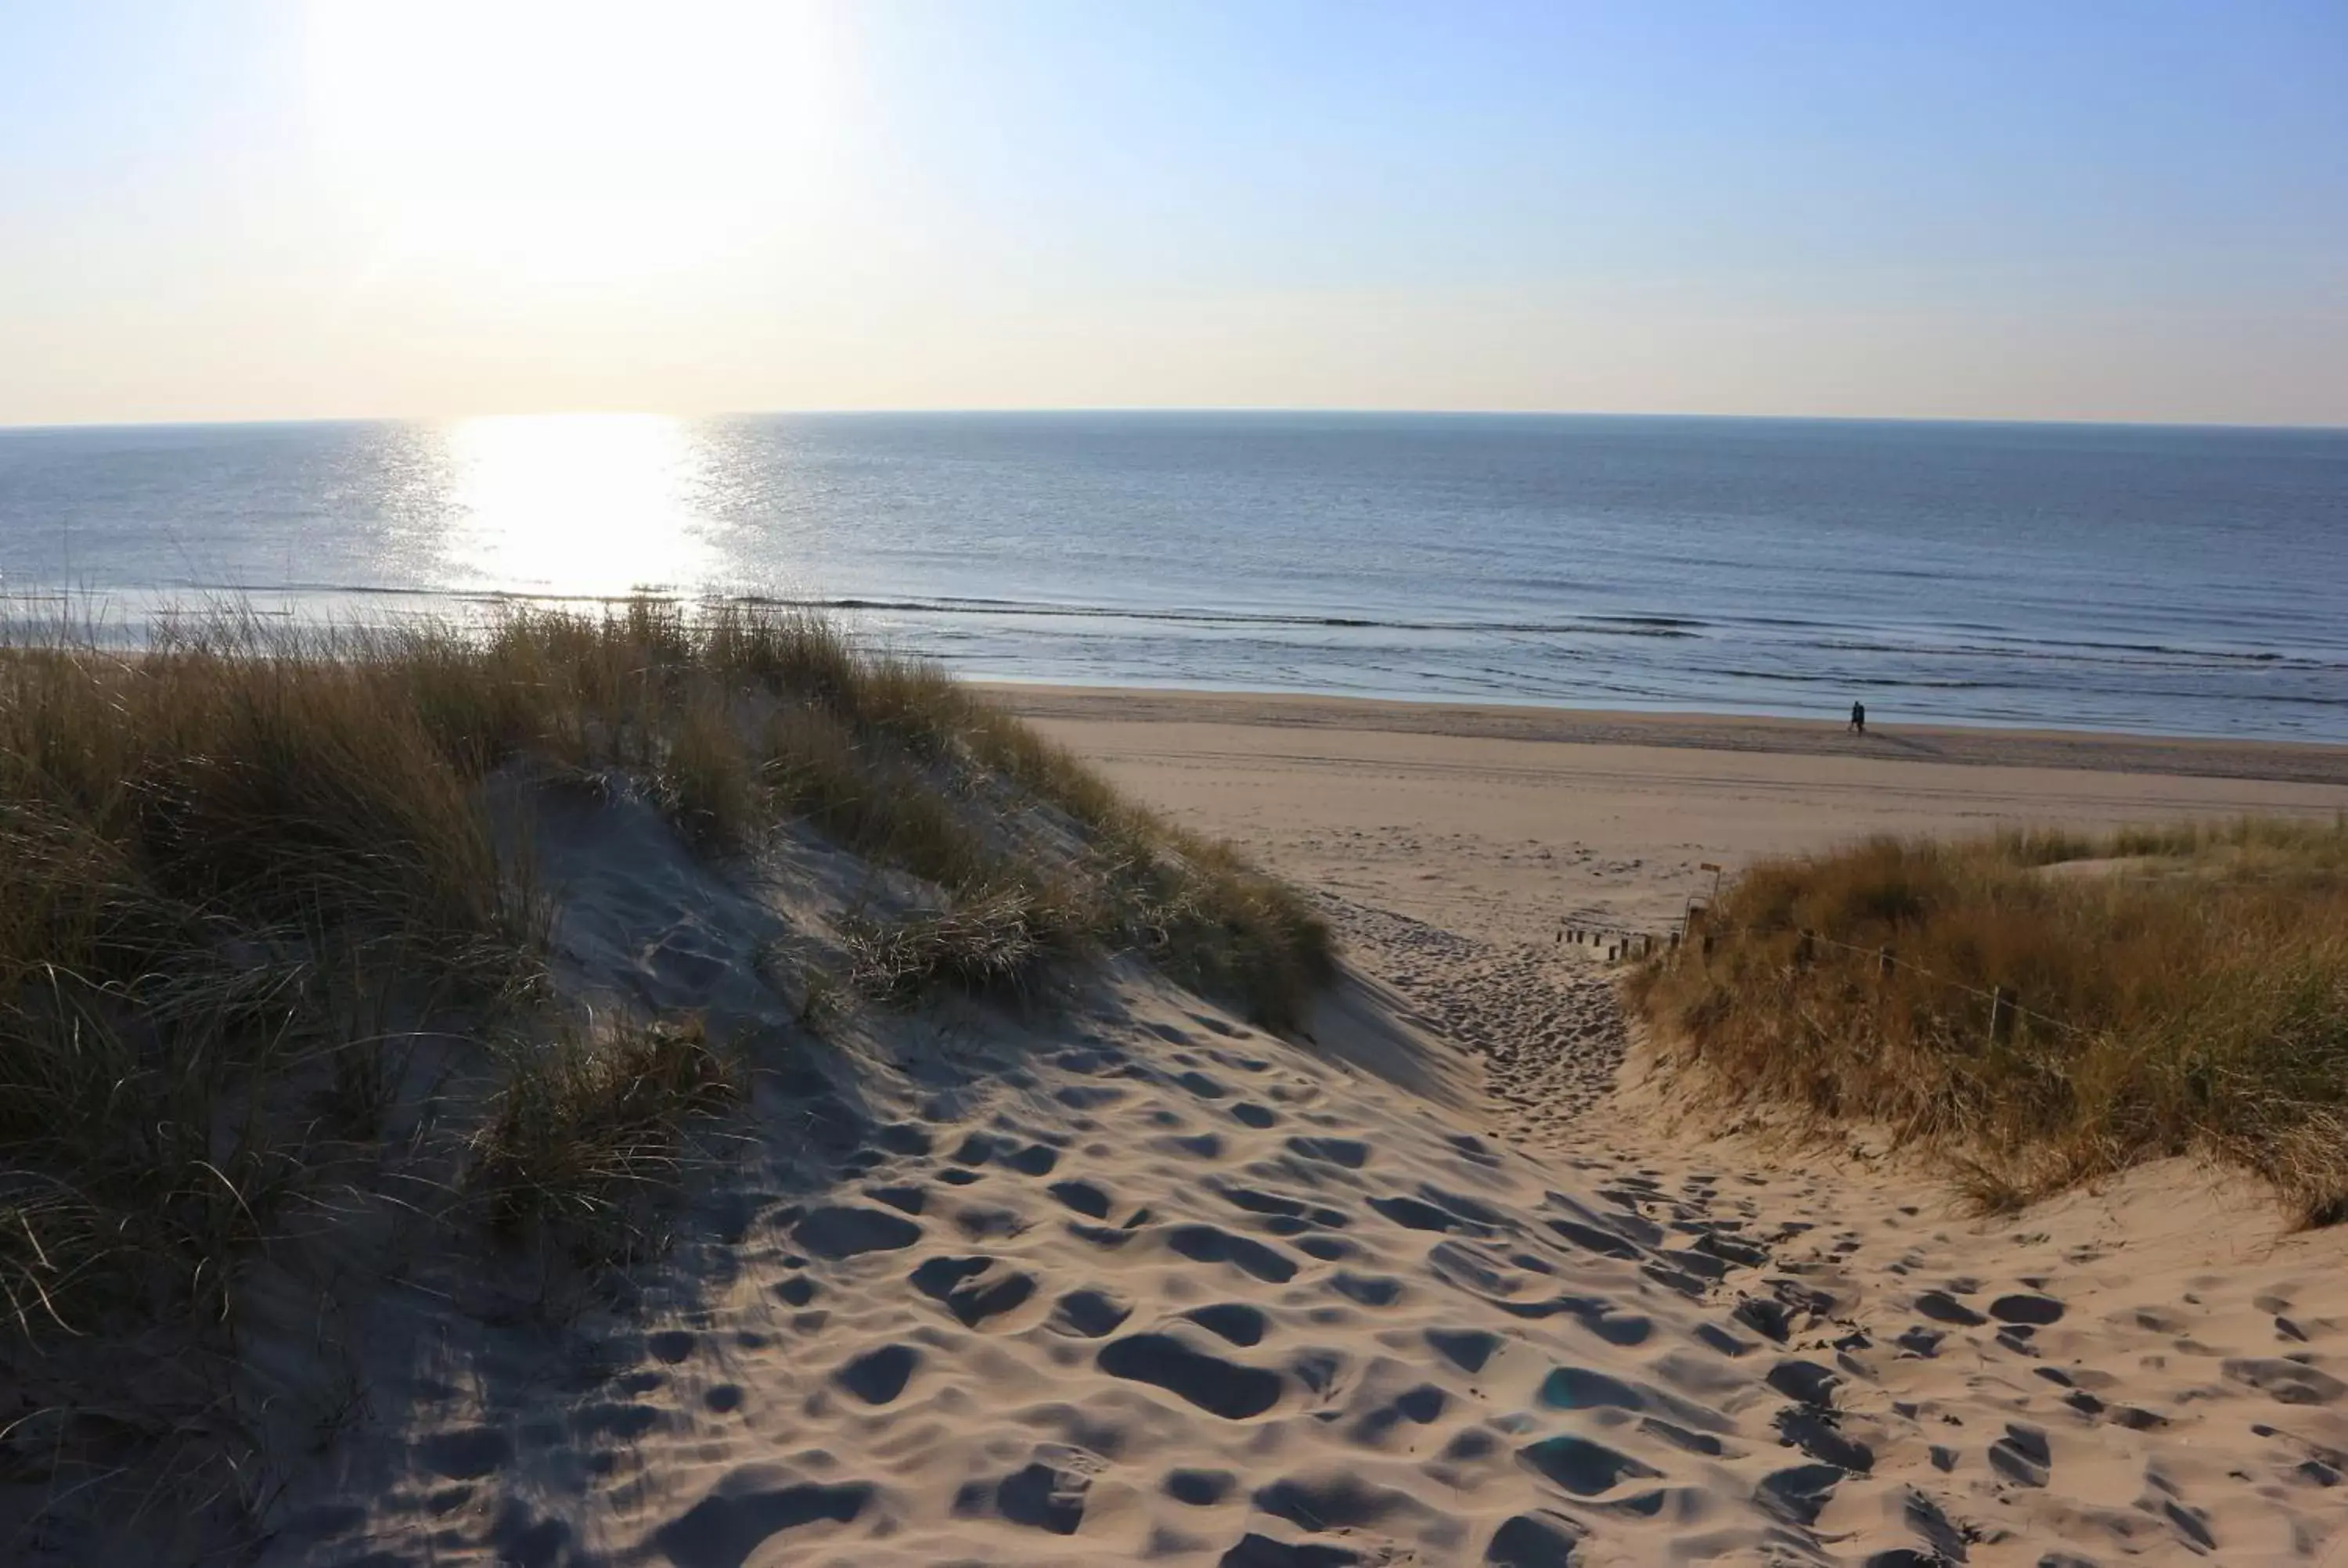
column 1858, row 718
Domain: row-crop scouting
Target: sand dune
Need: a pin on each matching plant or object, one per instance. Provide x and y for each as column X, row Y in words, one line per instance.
column 1170, row 1291
column 1123, row 1279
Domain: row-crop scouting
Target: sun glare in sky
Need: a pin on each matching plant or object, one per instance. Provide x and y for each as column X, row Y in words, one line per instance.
column 556, row 143
column 262, row 209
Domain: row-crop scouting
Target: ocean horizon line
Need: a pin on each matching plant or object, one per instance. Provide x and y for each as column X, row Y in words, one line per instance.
column 1178, row 411
column 2135, row 577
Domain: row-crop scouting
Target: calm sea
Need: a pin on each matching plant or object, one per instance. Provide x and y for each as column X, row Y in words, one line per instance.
column 2179, row 581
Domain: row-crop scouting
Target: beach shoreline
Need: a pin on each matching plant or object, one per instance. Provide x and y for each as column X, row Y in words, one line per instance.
column 2099, row 751
column 1507, row 823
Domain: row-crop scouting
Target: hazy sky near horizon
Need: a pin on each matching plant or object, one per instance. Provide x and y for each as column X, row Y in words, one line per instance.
column 257, row 209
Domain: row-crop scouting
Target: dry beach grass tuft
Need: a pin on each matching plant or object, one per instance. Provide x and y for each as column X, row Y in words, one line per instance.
column 2048, row 1007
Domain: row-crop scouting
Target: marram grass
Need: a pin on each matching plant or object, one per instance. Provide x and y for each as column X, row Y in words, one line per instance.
column 2164, row 990
column 248, row 872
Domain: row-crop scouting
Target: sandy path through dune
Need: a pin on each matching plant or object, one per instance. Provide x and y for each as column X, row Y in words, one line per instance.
column 2124, row 1375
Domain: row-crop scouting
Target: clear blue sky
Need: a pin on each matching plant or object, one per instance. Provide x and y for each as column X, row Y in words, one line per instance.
column 218, row 208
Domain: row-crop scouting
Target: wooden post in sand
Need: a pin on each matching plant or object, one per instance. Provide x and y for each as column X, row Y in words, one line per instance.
column 2001, row 1012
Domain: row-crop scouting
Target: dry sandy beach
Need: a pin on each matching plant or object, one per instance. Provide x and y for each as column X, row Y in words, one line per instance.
column 1503, row 822
column 1132, row 1281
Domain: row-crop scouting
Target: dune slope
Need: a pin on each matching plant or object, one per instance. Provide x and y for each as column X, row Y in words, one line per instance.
column 1120, row 1279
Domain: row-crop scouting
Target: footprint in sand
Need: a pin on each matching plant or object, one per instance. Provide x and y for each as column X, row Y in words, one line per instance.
column 1090, row 1314
column 878, row 1377
column 973, row 1289
column 1211, row 1244
column 1220, row 1388
column 1232, row 1320
column 839, row 1232
column 741, row 1515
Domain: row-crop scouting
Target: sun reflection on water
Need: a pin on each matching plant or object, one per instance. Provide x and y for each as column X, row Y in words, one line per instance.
column 576, row 504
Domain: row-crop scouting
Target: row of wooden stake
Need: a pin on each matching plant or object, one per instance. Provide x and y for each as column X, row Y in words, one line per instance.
column 1619, row 945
